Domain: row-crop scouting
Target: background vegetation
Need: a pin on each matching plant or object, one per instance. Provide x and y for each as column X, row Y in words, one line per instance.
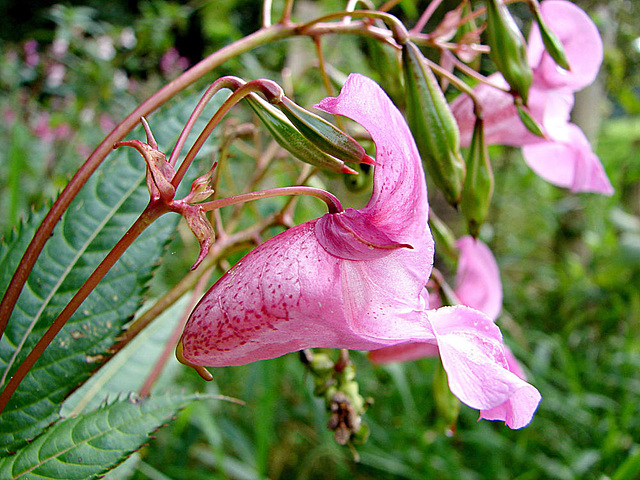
column 570, row 264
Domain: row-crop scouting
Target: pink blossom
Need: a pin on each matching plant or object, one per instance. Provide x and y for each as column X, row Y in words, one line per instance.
column 572, row 164
column 478, row 282
column 171, row 62
column 32, row 57
column 478, row 286
column 356, row 279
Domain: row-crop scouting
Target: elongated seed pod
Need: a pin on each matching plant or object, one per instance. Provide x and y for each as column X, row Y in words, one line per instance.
column 508, row 48
column 432, row 124
column 290, row 138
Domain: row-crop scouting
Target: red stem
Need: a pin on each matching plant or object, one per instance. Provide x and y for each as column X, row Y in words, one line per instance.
column 151, row 213
column 43, row 233
column 332, row 202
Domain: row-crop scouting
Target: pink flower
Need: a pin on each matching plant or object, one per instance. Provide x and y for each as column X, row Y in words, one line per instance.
column 355, row 279
column 478, row 282
column 478, row 286
column 565, row 158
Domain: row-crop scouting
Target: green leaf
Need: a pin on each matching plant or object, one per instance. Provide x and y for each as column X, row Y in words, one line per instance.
column 101, row 213
column 130, row 367
column 86, row 446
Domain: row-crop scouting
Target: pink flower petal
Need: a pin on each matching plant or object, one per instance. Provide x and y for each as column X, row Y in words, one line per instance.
column 342, row 281
column 405, row 352
column 350, row 235
column 472, row 354
column 289, row 294
column 571, row 164
column 481, row 371
column 580, row 39
column 398, row 205
column 478, row 282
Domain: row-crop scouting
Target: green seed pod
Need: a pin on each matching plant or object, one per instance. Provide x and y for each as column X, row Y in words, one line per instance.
column 508, row 48
column 289, row 138
column 432, row 124
column 324, row 135
column 478, row 184
column 552, row 43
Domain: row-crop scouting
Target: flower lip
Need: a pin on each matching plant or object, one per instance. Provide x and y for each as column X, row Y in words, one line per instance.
column 336, row 233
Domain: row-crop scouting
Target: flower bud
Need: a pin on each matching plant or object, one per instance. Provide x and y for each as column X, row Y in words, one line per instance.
column 289, row 138
column 478, row 184
column 528, row 121
column 508, row 48
column 443, row 236
column 324, row 135
column 432, row 124
column 552, row 43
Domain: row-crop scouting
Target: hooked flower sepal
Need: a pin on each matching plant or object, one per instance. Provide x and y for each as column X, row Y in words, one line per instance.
column 160, row 174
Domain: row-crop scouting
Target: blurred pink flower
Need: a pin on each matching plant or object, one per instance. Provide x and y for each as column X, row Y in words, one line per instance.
column 478, row 282
column 31, row 55
column 106, row 123
column 565, row 157
column 355, row 279
column 171, row 63
column 42, row 129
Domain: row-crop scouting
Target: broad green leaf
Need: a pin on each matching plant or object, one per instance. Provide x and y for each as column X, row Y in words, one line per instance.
column 128, row 370
column 95, row 221
column 89, row 445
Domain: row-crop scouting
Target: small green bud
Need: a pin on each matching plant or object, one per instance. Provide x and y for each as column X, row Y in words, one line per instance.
column 532, row 125
column 324, row 135
column 552, row 43
column 478, row 184
column 362, row 435
column 289, row 138
column 508, row 48
column 432, row 124
column 443, row 236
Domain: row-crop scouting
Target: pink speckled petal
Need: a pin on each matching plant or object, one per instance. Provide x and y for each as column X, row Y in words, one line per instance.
column 570, row 164
column 343, row 284
column 405, row 352
column 581, row 41
column 478, row 282
column 352, row 236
